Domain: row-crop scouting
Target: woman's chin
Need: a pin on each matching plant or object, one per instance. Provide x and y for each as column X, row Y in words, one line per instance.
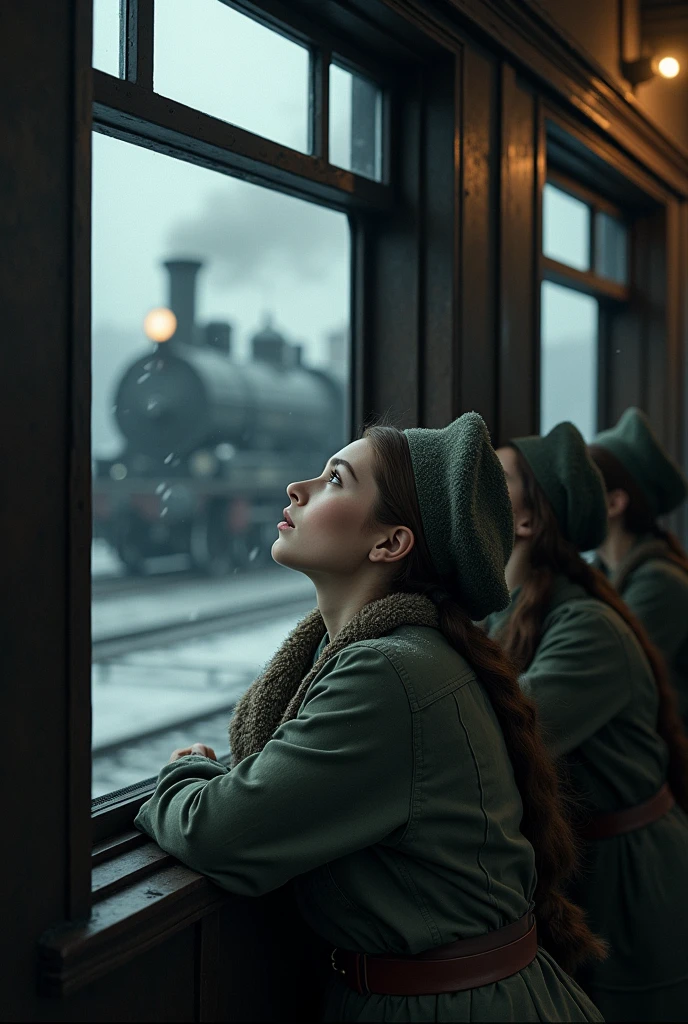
column 280, row 553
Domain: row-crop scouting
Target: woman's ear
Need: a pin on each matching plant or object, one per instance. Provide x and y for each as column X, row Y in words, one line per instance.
column 617, row 503
column 523, row 525
column 396, row 544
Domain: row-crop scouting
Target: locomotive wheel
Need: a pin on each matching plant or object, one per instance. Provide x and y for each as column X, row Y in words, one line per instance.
column 129, row 546
column 210, row 543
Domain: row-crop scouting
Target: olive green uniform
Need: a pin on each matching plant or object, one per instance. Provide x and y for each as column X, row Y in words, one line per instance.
column 656, row 590
column 390, row 801
column 598, row 704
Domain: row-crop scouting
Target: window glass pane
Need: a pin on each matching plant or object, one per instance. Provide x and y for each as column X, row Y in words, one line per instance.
column 611, row 248
column 566, row 228
column 195, row 439
column 106, row 36
column 355, row 123
column 568, row 359
column 210, row 57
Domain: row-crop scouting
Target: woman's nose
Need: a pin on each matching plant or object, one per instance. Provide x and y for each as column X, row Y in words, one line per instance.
column 297, row 493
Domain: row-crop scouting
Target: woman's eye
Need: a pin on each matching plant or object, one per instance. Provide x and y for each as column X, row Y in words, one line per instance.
column 334, row 477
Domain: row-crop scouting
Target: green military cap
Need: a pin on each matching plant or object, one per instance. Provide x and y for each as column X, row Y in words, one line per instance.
column 632, row 441
column 571, row 482
column 465, row 509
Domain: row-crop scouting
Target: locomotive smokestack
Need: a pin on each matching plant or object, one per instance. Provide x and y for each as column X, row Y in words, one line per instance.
column 182, row 297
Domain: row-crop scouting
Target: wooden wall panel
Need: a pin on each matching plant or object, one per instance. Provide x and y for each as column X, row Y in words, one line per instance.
column 518, row 328
column 45, row 861
column 660, row 376
column 392, row 327
column 624, row 364
column 440, row 201
column 477, row 268
column 159, row 985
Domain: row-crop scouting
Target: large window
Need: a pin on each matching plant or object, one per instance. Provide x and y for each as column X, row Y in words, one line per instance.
column 585, row 272
column 221, row 368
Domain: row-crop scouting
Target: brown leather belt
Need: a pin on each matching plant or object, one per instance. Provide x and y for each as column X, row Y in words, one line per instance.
column 604, row 826
column 468, row 963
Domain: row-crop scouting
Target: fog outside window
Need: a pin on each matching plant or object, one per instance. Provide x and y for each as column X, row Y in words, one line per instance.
column 568, row 359
column 214, row 59
column 196, row 437
column 566, row 228
column 106, row 28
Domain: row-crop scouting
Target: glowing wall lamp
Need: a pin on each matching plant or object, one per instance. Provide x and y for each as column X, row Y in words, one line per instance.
column 645, row 68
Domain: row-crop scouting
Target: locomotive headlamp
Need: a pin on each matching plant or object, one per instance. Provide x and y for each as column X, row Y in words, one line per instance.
column 645, row 68
column 203, row 463
column 160, row 324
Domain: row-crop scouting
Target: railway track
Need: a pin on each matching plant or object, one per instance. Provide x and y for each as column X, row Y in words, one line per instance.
column 153, row 637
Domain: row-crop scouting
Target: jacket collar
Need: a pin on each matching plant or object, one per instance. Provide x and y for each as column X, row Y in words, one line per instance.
column 645, row 549
column 564, row 590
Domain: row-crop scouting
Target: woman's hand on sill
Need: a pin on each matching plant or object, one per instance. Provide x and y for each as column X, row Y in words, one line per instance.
column 200, row 749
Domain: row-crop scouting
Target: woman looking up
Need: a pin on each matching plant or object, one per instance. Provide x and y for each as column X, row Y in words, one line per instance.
column 386, row 761
column 646, row 563
column 608, row 714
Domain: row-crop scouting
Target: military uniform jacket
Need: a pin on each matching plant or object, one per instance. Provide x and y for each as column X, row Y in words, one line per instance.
column 390, row 802
column 597, row 702
column 656, row 590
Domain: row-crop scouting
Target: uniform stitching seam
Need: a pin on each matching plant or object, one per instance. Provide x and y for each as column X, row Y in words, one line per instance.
column 488, row 880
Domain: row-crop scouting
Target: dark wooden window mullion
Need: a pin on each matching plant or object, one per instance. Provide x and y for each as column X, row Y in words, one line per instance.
column 136, row 45
column 583, row 280
column 593, row 240
column 319, row 104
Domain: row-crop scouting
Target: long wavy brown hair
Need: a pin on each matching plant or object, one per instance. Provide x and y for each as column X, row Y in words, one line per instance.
column 551, row 556
column 561, row 924
column 638, row 517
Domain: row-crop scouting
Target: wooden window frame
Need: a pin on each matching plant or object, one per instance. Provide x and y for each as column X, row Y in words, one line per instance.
column 588, row 163
column 588, row 281
column 129, row 109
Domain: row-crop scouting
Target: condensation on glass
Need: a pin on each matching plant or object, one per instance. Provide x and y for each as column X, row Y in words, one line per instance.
column 106, row 29
column 611, row 248
column 216, row 60
column 236, row 386
column 566, row 228
column 355, row 118
column 568, row 359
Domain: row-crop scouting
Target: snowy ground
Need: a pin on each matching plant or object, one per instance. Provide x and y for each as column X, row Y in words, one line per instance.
column 197, row 680
column 151, row 688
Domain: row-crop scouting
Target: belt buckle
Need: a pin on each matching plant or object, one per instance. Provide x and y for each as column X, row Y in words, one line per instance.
column 337, row 970
column 360, row 973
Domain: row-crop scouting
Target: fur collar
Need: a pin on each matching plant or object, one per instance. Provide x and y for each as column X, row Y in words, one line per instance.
column 277, row 694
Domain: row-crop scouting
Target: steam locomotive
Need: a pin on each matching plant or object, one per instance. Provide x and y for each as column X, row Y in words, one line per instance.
column 210, row 443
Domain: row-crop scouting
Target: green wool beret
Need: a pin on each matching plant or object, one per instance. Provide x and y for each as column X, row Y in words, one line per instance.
column 465, row 509
column 570, row 481
column 633, row 443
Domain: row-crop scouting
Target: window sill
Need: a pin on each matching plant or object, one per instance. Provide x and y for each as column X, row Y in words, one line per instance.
column 141, row 896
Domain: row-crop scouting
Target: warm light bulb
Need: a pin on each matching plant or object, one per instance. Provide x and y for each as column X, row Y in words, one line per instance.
column 160, row 324
column 668, row 67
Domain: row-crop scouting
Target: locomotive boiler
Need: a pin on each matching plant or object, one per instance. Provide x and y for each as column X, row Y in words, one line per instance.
column 210, row 443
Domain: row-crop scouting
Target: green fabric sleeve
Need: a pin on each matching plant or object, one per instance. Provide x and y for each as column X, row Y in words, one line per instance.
column 332, row 781
column 579, row 677
column 658, row 594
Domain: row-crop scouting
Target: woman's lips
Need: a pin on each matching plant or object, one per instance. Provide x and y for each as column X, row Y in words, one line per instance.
column 287, row 522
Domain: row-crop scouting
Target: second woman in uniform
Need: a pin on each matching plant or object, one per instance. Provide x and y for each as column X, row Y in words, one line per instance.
column 609, row 716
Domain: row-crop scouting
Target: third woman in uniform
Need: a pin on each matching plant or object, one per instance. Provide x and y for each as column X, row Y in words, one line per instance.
column 609, row 716
column 645, row 562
